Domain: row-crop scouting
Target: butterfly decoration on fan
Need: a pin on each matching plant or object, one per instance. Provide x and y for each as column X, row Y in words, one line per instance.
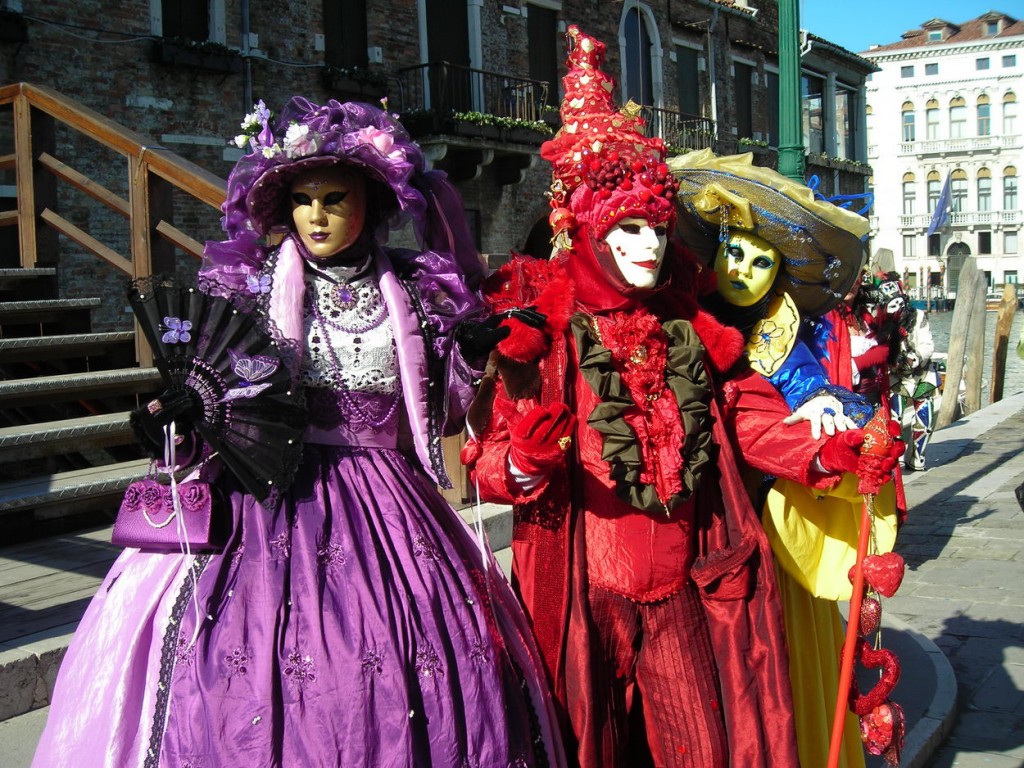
column 250, row 370
column 225, row 377
column 177, row 330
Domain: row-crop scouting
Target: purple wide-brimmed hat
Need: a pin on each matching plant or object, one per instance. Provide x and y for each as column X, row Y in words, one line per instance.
column 307, row 135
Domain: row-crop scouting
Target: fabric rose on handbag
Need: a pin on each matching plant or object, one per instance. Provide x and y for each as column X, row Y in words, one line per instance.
column 147, row 518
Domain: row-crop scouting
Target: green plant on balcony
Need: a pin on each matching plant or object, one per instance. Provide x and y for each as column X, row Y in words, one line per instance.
column 360, row 80
column 837, row 163
column 507, row 123
column 200, row 54
column 746, row 141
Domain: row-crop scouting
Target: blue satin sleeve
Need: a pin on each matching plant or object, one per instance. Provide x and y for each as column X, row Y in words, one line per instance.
column 800, row 376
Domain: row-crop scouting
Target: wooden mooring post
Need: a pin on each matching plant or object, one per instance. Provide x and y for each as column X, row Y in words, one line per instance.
column 974, row 365
column 970, row 298
column 1004, row 321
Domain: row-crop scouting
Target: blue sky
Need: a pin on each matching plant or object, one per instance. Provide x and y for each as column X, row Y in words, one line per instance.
column 857, row 25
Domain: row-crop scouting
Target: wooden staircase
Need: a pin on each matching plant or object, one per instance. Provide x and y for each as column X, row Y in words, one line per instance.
column 66, row 449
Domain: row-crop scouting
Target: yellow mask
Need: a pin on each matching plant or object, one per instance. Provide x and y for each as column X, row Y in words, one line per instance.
column 746, row 267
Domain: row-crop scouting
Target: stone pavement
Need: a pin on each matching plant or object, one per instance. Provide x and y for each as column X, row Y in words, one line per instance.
column 964, row 546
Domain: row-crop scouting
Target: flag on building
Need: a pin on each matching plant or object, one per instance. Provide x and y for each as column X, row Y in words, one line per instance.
column 942, row 206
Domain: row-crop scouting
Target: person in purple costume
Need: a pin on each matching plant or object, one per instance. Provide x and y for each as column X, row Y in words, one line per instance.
column 352, row 619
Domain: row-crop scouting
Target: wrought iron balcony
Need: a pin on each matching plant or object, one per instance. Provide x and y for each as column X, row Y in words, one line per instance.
column 680, row 131
column 447, row 89
column 466, row 119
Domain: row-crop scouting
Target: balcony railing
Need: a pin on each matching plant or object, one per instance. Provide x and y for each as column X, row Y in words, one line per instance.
column 447, row 88
column 968, row 145
column 966, row 219
column 680, row 131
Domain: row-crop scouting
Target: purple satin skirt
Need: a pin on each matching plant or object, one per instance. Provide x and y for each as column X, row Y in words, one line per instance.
column 354, row 624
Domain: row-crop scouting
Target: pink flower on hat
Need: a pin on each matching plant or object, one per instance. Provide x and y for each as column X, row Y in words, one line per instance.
column 381, row 140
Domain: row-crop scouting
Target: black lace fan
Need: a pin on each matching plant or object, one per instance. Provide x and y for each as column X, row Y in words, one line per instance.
column 224, row 376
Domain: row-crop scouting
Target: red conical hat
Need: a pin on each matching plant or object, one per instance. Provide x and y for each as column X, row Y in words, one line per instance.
column 604, row 166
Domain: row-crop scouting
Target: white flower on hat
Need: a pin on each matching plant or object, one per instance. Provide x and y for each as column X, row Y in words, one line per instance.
column 299, row 141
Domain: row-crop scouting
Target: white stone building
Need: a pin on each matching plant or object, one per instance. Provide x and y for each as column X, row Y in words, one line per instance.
column 945, row 109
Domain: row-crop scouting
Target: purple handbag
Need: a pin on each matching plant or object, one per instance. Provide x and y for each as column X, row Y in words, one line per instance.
column 148, row 520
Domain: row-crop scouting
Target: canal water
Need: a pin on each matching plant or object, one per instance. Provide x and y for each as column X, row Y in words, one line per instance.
column 940, row 322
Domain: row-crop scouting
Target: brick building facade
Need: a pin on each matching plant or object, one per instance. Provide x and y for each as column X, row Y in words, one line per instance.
column 184, row 72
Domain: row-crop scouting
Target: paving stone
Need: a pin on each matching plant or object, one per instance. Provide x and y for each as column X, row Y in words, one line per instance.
column 990, row 732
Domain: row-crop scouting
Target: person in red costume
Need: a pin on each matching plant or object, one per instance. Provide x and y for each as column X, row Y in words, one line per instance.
column 640, row 561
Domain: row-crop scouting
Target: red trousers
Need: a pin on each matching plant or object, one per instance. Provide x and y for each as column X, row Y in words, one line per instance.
column 660, row 654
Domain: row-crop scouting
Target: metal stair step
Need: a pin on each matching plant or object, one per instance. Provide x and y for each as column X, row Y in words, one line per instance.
column 13, row 312
column 76, row 486
column 75, row 386
column 61, row 346
column 46, row 438
column 9, row 277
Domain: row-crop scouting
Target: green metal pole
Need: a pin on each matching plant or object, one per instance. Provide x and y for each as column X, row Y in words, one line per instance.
column 791, row 131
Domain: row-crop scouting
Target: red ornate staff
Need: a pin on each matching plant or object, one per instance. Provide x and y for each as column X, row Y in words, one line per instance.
column 881, row 720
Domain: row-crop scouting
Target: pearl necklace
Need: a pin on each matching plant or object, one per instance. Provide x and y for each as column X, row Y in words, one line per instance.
column 363, row 415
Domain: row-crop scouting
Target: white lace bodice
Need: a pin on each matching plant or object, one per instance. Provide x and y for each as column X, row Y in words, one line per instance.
column 350, row 344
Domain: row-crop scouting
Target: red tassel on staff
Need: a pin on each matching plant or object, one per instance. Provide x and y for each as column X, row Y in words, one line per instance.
column 878, row 444
column 850, row 643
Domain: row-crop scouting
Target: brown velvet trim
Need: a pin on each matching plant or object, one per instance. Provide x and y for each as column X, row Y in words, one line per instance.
column 686, row 377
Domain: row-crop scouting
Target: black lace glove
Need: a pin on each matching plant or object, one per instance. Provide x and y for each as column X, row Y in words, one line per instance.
column 477, row 339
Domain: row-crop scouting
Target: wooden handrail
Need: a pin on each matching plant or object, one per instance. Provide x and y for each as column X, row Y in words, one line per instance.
column 179, row 239
column 153, row 171
column 185, row 175
column 80, row 181
column 86, row 240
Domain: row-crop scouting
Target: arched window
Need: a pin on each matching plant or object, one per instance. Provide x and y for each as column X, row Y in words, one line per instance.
column 958, row 190
column 931, row 119
column 638, row 72
column 1009, row 188
column 909, row 194
column 957, row 118
column 1009, row 114
column 984, row 190
column 934, row 189
column 955, row 258
column 908, row 121
column 984, row 116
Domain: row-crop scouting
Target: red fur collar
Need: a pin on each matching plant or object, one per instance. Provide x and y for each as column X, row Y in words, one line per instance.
column 525, row 281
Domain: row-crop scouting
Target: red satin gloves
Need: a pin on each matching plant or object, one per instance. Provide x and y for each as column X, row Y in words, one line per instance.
column 871, row 453
column 542, row 438
column 842, row 452
column 877, row 355
column 880, row 452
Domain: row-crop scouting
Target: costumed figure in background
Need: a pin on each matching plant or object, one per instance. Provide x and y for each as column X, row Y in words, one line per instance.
column 351, row 618
column 913, row 381
column 640, row 560
column 781, row 255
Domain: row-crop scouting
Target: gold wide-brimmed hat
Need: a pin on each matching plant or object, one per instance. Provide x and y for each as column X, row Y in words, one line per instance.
column 821, row 244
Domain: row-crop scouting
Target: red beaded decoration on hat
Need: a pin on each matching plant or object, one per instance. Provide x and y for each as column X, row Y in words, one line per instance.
column 605, row 167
